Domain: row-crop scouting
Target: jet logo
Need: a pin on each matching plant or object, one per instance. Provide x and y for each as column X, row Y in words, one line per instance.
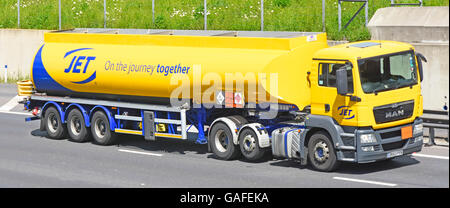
column 80, row 65
column 346, row 112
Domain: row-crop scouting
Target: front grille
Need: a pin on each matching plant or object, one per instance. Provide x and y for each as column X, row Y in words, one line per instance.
column 391, row 134
column 394, row 145
column 393, row 112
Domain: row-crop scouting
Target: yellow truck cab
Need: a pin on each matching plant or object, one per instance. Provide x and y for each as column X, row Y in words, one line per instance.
column 367, row 97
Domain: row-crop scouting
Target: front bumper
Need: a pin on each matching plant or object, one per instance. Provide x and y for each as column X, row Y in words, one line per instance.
column 389, row 144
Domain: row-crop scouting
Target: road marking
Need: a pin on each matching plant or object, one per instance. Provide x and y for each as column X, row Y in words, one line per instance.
column 141, row 153
column 431, row 156
column 10, row 104
column 365, row 181
column 16, row 113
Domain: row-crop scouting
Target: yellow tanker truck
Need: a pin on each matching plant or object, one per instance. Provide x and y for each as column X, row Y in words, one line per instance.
column 243, row 93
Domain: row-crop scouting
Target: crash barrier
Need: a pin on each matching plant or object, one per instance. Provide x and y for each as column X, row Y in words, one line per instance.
column 435, row 120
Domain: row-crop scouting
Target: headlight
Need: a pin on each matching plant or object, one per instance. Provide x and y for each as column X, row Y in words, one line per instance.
column 418, row 129
column 367, row 138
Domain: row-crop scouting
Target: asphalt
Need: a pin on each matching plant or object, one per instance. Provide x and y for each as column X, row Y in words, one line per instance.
column 29, row 159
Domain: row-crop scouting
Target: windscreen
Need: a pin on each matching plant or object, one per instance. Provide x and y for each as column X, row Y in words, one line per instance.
column 388, row 72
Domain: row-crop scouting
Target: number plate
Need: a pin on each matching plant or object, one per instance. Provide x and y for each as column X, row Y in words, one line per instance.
column 395, row 154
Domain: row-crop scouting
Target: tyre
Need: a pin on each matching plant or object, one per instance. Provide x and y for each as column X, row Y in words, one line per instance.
column 321, row 152
column 100, row 130
column 76, row 126
column 249, row 145
column 53, row 124
column 221, row 142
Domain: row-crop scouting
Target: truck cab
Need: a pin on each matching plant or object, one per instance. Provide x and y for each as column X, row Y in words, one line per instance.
column 365, row 98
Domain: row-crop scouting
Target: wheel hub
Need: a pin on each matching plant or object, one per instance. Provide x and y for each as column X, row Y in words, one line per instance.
column 249, row 143
column 221, row 141
column 321, row 152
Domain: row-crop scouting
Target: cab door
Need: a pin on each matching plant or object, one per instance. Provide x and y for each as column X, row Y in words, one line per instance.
column 324, row 97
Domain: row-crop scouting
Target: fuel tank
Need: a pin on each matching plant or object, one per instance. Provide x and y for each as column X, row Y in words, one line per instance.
column 150, row 65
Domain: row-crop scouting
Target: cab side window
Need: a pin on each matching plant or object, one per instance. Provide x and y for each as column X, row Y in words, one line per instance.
column 327, row 75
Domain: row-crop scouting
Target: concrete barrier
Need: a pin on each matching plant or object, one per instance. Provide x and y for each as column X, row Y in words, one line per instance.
column 427, row 29
column 17, row 50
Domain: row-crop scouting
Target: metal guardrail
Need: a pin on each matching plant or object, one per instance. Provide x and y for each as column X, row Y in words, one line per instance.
column 205, row 12
column 435, row 120
column 261, row 4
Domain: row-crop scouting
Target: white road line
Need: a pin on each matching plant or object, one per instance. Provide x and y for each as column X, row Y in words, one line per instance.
column 431, row 156
column 141, row 153
column 365, row 181
column 10, row 104
column 16, row 113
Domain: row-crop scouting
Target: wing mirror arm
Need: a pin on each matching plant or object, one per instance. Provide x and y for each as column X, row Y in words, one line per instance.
column 342, row 84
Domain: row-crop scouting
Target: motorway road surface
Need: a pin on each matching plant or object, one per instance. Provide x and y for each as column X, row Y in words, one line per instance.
column 29, row 159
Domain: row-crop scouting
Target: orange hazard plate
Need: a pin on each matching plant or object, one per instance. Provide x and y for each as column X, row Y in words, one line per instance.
column 407, row 132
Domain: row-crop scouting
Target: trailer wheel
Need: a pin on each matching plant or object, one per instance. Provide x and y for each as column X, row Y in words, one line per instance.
column 221, row 141
column 249, row 145
column 321, row 153
column 101, row 133
column 76, row 126
column 53, row 124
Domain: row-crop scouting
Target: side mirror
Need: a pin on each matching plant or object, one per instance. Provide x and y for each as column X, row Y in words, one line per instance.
column 341, row 81
column 420, row 58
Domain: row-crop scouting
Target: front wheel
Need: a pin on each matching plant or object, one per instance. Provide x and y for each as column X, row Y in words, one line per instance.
column 321, row 152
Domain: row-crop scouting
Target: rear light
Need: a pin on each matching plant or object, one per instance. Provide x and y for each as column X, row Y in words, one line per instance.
column 36, row 111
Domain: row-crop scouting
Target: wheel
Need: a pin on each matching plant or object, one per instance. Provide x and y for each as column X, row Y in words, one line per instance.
column 321, row 153
column 249, row 145
column 53, row 124
column 101, row 133
column 76, row 126
column 221, row 141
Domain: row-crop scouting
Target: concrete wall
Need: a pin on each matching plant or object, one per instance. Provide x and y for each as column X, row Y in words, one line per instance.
column 17, row 50
column 427, row 29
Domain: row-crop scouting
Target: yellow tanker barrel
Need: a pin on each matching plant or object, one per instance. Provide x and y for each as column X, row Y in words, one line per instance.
column 140, row 64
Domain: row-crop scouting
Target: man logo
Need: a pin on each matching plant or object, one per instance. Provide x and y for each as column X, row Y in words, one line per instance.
column 394, row 114
column 79, row 63
column 346, row 112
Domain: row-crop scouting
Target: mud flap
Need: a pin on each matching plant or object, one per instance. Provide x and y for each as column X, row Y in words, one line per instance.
column 149, row 125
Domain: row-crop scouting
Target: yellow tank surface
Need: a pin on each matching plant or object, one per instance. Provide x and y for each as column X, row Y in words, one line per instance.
column 135, row 64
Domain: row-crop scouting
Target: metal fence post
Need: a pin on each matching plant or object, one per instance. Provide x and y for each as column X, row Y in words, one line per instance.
column 323, row 16
column 104, row 13
column 367, row 12
column 262, row 15
column 153, row 12
column 339, row 14
column 205, row 15
column 18, row 13
column 59, row 14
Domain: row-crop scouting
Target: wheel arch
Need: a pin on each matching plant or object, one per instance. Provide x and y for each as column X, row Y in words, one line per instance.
column 58, row 107
column 112, row 122
column 85, row 114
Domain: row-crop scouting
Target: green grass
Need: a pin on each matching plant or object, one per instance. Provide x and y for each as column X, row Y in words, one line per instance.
column 279, row 15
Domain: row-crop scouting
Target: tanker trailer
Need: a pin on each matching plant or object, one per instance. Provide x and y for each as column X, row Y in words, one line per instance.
column 242, row 93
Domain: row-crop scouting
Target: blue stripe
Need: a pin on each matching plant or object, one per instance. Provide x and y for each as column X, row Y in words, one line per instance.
column 42, row 80
column 76, row 50
column 92, row 77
